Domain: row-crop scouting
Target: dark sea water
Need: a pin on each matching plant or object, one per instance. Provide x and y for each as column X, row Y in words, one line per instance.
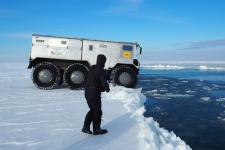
column 188, row 101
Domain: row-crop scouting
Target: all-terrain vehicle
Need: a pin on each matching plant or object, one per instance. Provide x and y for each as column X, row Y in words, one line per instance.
column 57, row 59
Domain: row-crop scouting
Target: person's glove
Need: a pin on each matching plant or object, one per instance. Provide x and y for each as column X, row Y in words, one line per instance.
column 108, row 90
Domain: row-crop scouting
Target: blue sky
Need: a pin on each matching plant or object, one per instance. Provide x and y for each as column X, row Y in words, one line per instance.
column 168, row 30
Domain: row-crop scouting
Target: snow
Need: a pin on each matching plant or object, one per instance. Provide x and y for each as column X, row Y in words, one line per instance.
column 34, row 119
column 190, row 91
column 220, row 100
column 183, row 62
column 167, row 95
column 201, row 67
column 205, row 68
column 206, row 99
column 163, row 67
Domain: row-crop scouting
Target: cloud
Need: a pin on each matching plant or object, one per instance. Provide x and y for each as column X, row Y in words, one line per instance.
column 135, row 9
column 205, row 44
column 122, row 6
column 19, row 35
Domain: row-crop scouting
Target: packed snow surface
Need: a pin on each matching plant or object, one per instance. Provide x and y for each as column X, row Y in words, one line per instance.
column 34, row 119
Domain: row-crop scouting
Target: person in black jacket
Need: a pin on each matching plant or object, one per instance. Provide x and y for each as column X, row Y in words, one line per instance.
column 96, row 83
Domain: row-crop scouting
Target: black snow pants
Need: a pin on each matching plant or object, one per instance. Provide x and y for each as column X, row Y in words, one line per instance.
column 95, row 113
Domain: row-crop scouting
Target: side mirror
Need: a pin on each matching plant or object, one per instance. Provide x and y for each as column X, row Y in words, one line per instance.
column 140, row 48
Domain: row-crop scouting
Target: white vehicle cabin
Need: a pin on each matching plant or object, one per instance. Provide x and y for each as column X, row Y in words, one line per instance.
column 57, row 59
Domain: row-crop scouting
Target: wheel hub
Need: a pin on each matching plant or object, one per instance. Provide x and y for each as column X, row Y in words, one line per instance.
column 45, row 76
column 125, row 78
column 77, row 77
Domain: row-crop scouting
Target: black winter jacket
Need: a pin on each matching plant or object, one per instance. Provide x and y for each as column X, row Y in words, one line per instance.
column 96, row 79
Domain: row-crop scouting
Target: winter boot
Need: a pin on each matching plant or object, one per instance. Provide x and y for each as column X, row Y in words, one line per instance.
column 86, row 130
column 100, row 131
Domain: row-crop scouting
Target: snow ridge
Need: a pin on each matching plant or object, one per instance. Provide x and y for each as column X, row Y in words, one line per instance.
column 182, row 67
column 151, row 136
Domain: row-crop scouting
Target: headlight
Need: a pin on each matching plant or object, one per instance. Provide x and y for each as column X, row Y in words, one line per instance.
column 135, row 62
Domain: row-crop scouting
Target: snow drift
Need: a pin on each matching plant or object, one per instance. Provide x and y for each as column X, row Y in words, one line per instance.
column 202, row 67
column 34, row 119
column 151, row 136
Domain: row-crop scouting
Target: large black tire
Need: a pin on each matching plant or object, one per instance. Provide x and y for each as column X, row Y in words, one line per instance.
column 75, row 76
column 46, row 75
column 124, row 76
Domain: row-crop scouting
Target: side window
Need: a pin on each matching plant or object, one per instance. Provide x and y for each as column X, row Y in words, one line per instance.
column 40, row 41
column 102, row 45
column 63, row 42
column 90, row 47
column 127, row 48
